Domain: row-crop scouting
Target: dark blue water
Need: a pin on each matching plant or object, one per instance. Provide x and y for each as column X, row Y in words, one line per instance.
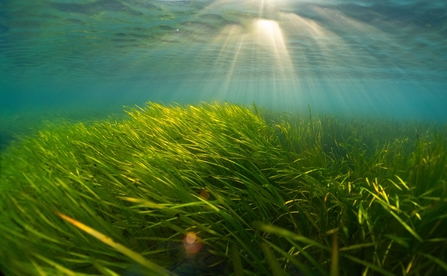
column 385, row 58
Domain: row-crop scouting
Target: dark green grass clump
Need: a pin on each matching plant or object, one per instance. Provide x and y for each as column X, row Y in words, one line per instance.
column 222, row 189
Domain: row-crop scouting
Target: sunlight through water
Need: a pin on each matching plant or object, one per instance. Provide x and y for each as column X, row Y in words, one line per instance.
column 281, row 54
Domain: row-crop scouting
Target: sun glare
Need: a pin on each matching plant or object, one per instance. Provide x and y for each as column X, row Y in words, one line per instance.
column 269, row 36
column 269, row 27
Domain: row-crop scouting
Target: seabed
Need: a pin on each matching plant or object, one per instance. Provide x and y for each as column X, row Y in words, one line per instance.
column 225, row 189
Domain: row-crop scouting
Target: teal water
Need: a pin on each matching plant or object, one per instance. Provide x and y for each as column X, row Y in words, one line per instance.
column 381, row 58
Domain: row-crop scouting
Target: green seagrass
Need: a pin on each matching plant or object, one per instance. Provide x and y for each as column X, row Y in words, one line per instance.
column 263, row 193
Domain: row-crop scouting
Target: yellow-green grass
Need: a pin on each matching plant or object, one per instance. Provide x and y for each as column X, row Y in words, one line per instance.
column 224, row 189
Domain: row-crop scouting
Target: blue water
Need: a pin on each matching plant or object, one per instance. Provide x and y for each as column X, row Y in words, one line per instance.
column 379, row 58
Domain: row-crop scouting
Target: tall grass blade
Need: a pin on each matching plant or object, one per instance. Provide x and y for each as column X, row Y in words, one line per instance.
column 118, row 247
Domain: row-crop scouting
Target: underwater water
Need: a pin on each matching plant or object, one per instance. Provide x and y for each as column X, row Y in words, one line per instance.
column 272, row 137
column 374, row 58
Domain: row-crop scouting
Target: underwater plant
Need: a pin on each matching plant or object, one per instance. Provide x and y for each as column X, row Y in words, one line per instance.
column 225, row 189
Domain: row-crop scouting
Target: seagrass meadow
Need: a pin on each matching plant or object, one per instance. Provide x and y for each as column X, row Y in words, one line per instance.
column 225, row 189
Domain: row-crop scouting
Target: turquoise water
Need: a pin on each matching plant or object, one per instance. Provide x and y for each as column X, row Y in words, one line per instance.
column 381, row 58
